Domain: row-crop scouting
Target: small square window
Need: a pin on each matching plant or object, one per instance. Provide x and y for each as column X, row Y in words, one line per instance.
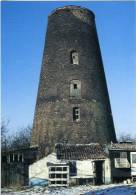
column 64, row 176
column 52, row 176
column 52, row 169
column 76, row 114
column 58, row 168
column 74, row 58
column 75, row 86
column 64, row 182
column 58, row 182
column 58, row 175
column 75, row 89
column 52, row 182
column 64, row 168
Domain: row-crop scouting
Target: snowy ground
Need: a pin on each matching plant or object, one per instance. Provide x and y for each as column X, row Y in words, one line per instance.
column 78, row 190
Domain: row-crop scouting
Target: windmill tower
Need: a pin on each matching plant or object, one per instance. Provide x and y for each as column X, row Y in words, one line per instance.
column 72, row 103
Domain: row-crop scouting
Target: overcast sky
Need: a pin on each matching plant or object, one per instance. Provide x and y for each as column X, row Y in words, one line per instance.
column 23, row 32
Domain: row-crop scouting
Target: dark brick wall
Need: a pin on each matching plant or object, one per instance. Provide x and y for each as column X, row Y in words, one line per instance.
column 72, row 28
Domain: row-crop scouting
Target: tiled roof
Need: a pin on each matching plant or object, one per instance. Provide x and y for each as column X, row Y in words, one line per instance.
column 79, row 151
column 123, row 146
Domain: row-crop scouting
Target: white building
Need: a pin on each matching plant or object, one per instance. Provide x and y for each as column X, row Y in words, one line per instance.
column 72, row 164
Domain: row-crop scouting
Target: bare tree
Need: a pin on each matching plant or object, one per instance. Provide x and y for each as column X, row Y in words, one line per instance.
column 127, row 138
column 20, row 139
column 4, row 135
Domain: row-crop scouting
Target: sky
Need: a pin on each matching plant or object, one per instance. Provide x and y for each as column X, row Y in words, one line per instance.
column 23, row 33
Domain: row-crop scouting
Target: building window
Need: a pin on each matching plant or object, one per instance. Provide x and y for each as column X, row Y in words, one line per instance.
column 59, row 175
column 64, row 182
column 58, row 182
column 53, row 182
column 133, row 158
column 64, row 176
column 52, row 169
column 15, row 158
column 51, row 175
column 76, row 114
column 73, row 168
column 123, row 154
column 59, row 168
column 75, row 85
column 64, row 168
column 74, row 58
column 122, row 161
column 11, row 158
column 75, row 89
column 20, row 156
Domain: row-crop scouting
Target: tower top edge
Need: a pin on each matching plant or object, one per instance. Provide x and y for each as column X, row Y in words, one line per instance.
column 72, row 8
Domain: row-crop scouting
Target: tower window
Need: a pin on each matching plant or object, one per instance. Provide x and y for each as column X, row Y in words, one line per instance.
column 74, row 58
column 76, row 114
column 75, row 89
column 75, row 86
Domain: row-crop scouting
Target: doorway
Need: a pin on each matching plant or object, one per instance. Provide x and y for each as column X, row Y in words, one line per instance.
column 99, row 172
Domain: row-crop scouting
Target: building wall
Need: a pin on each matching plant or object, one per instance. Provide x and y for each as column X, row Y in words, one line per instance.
column 15, row 172
column 85, row 168
column 39, row 169
column 53, row 114
column 14, row 175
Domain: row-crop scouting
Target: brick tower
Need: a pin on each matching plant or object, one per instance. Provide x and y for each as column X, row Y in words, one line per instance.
column 72, row 103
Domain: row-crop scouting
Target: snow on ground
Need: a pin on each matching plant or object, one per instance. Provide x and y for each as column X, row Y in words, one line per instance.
column 112, row 189
column 116, row 190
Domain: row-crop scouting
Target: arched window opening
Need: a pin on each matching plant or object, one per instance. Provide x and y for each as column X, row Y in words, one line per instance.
column 74, row 58
column 75, row 89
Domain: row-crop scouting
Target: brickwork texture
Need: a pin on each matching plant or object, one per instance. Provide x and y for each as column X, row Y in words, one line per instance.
column 72, row 28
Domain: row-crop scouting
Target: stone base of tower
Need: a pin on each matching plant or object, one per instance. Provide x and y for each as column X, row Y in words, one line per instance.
column 55, row 124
